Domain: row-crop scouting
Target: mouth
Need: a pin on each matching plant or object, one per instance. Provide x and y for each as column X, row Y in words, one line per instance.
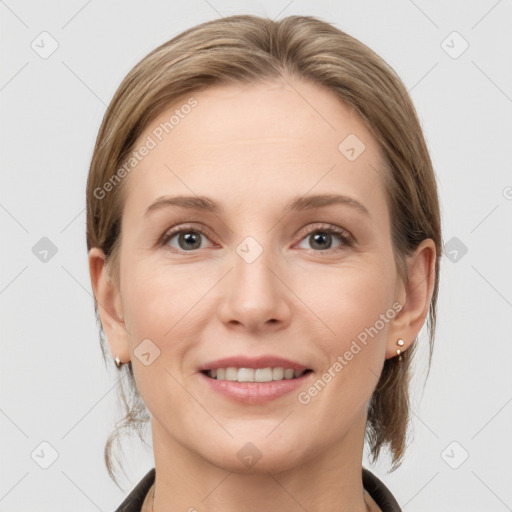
column 268, row 374
column 254, row 380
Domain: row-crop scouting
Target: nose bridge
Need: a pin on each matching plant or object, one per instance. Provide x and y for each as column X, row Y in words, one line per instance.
column 254, row 295
column 252, row 264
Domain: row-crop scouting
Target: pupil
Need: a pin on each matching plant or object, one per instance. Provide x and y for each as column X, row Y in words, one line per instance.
column 322, row 237
column 190, row 238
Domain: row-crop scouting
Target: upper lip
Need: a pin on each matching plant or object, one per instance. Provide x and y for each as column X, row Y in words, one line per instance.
column 265, row 361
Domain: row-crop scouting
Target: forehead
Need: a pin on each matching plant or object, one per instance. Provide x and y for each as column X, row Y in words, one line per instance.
column 273, row 139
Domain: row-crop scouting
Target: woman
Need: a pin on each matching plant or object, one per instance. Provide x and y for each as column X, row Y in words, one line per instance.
column 264, row 242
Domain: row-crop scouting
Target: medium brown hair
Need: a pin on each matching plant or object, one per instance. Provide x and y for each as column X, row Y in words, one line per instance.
column 242, row 49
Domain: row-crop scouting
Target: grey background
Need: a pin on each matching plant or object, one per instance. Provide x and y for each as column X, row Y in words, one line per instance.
column 55, row 387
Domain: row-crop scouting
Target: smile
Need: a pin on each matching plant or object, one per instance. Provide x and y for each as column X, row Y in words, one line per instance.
column 269, row 374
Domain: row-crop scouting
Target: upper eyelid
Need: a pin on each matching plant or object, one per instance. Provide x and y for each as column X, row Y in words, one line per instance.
column 185, row 227
column 327, row 227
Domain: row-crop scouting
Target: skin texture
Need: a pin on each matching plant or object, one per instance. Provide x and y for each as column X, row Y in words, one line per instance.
column 252, row 149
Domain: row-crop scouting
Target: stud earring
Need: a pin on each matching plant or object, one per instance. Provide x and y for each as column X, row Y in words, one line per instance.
column 400, row 343
column 118, row 362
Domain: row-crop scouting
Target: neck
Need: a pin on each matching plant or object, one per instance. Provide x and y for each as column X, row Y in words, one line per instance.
column 330, row 481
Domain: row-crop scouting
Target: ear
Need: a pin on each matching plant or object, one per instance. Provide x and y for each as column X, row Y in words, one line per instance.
column 414, row 296
column 108, row 298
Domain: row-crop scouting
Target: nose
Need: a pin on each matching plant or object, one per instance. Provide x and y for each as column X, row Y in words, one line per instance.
column 254, row 295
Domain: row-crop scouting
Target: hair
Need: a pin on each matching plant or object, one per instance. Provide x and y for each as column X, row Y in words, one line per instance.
column 244, row 49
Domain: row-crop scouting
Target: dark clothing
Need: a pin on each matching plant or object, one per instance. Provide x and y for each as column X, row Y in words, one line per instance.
column 376, row 489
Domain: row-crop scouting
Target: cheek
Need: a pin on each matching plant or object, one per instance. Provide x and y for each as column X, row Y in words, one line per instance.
column 356, row 305
column 351, row 299
column 159, row 299
column 158, row 302
column 165, row 304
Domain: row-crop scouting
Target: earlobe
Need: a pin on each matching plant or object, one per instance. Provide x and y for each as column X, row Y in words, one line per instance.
column 107, row 296
column 417, row 293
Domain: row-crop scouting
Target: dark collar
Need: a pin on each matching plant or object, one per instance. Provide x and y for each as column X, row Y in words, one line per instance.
column 379, row 492
column 376, row 489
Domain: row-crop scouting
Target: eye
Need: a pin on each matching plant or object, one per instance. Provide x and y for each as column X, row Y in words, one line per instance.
column 186, row 239
column 321, row 238
column 189, row 239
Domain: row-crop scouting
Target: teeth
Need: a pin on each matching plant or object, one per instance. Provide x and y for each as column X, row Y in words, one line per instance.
column 231, row 374
column 254, row 375
column 244, row 374
column 277, row 373
column 263, row 375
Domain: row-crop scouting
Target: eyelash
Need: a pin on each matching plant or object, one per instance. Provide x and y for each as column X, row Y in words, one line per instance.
column 345, row 237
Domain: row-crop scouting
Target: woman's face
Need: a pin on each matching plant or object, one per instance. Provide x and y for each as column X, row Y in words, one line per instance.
column 280, row 258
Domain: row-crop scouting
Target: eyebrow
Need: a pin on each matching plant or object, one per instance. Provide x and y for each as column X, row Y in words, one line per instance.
column 300, row 203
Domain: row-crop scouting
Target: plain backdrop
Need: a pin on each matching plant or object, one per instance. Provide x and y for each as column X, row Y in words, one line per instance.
column 61, row 64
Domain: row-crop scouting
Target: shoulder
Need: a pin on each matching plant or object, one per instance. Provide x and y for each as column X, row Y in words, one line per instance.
column 379, row 492
column 133, row 502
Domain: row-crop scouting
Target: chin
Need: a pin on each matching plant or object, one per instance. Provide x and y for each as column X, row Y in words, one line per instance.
column 254, row 455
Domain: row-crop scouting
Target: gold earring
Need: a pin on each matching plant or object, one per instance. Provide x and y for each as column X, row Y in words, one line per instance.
column 401, row 343
column 118, row 362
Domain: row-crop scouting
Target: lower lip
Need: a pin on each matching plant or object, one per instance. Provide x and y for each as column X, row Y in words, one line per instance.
column 255, row 392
